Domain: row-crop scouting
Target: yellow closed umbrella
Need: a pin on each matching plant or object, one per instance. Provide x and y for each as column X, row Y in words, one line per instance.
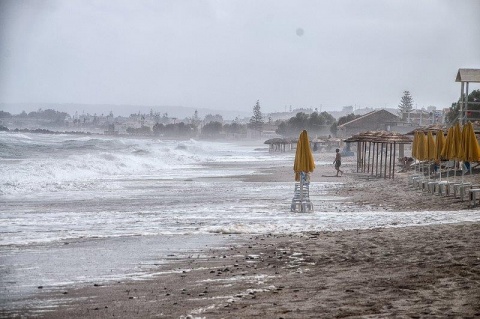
column 422, row 147
column 439, row 143
column 446, row 150
column 457, row 149
column 304, row 161
column 430, row 147
column 471, row 149
column 415, row 145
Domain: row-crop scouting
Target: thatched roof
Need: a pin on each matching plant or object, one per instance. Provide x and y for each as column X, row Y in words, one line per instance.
column 277, row 140
column 468, row 75
column 434, row 128
column 380, row 137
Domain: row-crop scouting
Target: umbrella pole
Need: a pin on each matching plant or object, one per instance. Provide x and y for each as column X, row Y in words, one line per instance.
column 439, row 169
column 454, row 170
column 301, row 192
column 448, row 171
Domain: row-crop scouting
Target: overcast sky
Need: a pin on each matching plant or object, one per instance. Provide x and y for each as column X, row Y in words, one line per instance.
column 228, row 54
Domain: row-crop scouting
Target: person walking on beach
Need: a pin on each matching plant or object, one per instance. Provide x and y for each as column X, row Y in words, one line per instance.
column 338, row 161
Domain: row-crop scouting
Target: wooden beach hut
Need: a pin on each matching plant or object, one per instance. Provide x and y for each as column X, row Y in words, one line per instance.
column 469, row 110
column 376, row 152
column 278, row 144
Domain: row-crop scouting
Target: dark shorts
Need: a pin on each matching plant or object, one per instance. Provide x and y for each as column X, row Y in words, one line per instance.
column 337, row 164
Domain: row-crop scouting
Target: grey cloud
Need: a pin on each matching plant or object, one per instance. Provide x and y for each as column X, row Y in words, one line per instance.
column 228, row 54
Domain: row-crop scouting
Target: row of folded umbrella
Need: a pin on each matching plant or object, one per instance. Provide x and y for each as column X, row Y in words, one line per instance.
column 460, row 144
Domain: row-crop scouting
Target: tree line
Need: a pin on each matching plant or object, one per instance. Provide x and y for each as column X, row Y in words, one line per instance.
column 48, row 114
column 213, row 125
column 473, row 112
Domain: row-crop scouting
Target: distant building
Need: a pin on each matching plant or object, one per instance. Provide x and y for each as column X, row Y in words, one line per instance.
column 346, row 110
column 425, row 117
column 284, row 116
column 378, row 120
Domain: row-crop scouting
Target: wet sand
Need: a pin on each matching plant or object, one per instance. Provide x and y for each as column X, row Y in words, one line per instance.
column 411, row 272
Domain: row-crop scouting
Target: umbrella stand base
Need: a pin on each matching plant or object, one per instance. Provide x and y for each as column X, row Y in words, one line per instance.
column 301, row 199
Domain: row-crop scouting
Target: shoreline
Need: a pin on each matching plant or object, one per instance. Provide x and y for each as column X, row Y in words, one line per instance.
column 424, row 271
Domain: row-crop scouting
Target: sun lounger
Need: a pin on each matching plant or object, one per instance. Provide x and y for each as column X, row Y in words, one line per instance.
column 417, row 181
column 459, row 190
column 474, row 196
column 443, row 188
column 431, row 186
column 301, row 199
column 412, row 178
column 424, row 185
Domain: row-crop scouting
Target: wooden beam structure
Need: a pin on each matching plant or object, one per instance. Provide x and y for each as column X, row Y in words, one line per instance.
column 376, row 152
column 465, row 77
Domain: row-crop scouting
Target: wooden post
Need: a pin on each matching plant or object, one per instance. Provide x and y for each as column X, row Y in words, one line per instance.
column 381, row 160
column 390, row 162
column 364, row 155
column 373, row 156
column 394, row 158
column 462, row 99
column 359, row 150
column 401, row 150
column 386, row 154
column 466, row 106
column 369, row 153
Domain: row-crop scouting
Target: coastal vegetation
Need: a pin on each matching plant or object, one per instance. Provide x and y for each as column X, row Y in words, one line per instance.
column 474, row 108
column 214, row 126
column 406, row 105
column 314, row 123
column 256, row 121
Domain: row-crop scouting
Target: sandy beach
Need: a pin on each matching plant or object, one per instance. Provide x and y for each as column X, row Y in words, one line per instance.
column 410, row 272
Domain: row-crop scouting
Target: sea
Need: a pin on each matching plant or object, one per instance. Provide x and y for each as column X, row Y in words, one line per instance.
column 83, row 209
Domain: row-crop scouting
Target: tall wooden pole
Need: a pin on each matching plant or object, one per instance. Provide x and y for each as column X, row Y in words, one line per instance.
column 374, row 147
column 466, row 106
column 381, row 159
column 358, row 154
column 364, row 155
column 369, row 153
column 386, row 153
column 394, row 158
column 462, row 99
column 390, row 162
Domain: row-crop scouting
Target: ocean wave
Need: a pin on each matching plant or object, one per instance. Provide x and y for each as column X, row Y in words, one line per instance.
column 51, row 163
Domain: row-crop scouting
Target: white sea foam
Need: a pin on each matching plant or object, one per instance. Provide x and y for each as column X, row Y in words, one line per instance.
column 117, row 202
column 64, row 163
column 59, row 187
